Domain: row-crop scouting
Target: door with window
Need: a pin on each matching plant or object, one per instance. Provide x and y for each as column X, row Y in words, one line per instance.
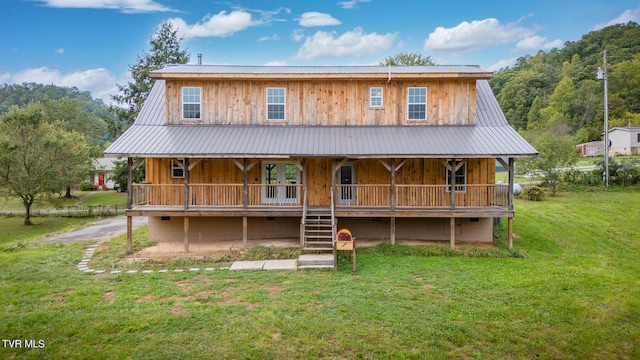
column 278, row 178
column 346, row 178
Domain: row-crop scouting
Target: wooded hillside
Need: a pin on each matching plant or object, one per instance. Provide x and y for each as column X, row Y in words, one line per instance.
column 556, row 92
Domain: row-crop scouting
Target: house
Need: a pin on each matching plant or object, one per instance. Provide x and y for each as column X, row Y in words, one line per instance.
column 257, row 152
column 102, row 172
column 591, row 149
column 624, row 141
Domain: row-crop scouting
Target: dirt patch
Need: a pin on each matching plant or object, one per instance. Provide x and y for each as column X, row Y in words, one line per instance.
column 146, row 298
column 176, row 310
column 59, row 299
column 108, row 297
column 275, row 290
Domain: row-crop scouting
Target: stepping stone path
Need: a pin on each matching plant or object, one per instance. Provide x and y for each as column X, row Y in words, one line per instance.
column 257, row 265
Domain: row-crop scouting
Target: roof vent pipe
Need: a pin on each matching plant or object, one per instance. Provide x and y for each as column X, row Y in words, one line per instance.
column 199, row 59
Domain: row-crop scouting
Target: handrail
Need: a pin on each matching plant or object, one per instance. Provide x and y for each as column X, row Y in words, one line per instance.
column 304, row 217
column 333, row 220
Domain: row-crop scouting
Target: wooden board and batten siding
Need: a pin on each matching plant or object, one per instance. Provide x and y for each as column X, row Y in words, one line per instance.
column 368, row 172
column 331, row 102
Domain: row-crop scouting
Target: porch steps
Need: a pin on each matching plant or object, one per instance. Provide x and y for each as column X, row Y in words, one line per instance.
column 318, row 230
column 316, row 261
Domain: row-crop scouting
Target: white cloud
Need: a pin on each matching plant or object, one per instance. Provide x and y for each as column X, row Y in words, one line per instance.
column 59, row 51
column 100, row 82
column 125, row 6
column 311, row 19
column 267, row 38
column 625, row 17
column 536, row 43
column 353, row 43
column 476, row 35
column 351, row 4
column 502, row 64
column 298, row 35
column 221, row 24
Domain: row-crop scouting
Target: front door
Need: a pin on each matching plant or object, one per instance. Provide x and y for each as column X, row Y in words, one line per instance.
column 280, row 174
column 346, row 177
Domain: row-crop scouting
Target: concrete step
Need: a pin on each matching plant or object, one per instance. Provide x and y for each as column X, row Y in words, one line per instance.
column 315, row 260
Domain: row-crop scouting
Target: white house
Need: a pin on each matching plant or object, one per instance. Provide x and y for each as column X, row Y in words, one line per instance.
column 624, row 141
column 101, row 173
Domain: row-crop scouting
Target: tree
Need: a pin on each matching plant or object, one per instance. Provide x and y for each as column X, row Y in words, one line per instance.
column 121, row 174
column 556, row 153
column 38, row 157
column 165, row 49
column 407, row 59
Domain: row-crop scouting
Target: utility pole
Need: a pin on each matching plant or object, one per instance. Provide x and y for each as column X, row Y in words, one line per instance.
column 602, row 75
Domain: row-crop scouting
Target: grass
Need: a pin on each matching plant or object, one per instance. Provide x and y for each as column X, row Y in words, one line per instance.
column 98, row 199
column 575, row 295
column 12, row 230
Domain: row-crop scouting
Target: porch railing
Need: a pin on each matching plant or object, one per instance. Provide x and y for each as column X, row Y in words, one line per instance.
column 423, row 196
column 216, row 195
column 346, row 196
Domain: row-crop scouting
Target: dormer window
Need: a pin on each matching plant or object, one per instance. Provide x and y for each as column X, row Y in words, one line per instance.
column 275, row 104
column 376, row 97
column 417, row 103
column 191, row 103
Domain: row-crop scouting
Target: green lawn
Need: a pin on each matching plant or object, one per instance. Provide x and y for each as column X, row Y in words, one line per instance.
column 576, row 295
column 98, row 199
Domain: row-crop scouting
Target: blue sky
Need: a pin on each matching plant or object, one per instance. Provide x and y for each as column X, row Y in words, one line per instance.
column 89, row 44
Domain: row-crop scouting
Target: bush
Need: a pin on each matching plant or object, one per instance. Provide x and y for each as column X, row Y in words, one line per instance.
column 87, row 186
column 535, row 194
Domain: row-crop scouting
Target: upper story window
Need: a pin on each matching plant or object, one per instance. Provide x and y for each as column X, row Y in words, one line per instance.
column 417, row 103
column 191, row 103
column 177, row 168
column 275, row 103
column 376, row 97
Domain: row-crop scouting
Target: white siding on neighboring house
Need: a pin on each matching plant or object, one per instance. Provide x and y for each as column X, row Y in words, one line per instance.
column 624, row 141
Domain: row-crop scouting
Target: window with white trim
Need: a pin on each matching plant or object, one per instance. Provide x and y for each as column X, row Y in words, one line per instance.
column 376, row 97
column 417, row 103
column 177, row 168
column 275, row 103
column 460, row 176
column 191, row 103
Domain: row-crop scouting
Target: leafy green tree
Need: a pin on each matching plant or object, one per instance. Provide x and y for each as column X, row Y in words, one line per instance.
column 555, row 154
column 121, row 174
column 38, row 158
column 165, row 49
column 407, row 59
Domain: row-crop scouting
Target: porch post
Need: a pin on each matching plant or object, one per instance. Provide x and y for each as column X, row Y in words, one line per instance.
column 186, row 183
column 129, row 234
column 129, row 203
column 452, row 237
column 393, row 230
column 186, row 204
column 245, row 182
column 392, row 196
column 511, row 177
column 510, row 197
column 452, row 184
column 510, row 232
column 244, row 233
column 186, row 233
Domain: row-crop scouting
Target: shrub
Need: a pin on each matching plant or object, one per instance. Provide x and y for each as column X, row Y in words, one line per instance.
column 87, row 186
column 535, row 194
